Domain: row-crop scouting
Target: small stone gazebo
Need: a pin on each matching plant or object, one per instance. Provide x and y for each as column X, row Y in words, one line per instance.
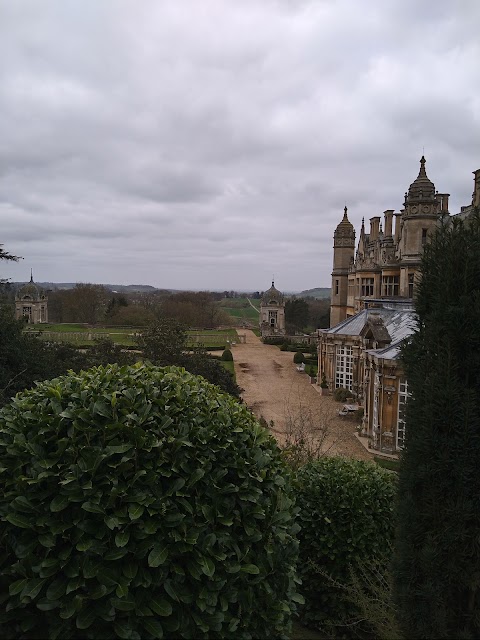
column 272, row 313
column 31, row 303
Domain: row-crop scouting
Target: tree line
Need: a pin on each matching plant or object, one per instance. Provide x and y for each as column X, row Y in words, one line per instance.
column 306, row 314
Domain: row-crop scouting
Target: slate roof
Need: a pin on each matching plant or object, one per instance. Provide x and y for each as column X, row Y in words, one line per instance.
column 374, row 323
column 398, row 320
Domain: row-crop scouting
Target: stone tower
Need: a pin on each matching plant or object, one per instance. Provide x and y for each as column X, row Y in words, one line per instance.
column 272, row 313
column 423, row 208
column 343, row 255
column 31, row 303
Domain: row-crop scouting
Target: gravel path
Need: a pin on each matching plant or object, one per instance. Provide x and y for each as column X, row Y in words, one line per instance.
column 274, row 389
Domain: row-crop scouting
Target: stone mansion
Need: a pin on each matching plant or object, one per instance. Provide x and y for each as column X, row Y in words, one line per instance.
column 372, row 311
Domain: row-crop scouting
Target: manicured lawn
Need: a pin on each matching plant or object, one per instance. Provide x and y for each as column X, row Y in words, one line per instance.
column 212, row 337
column 78, row 334
column 230, row 332
column 240, row 308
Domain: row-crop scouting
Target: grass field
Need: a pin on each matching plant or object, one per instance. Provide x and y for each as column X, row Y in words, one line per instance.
column 240, row 309
column 73, row 328
column 83, row 335
column 212, row 337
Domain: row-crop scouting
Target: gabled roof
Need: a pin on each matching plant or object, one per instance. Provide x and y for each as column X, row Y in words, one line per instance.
column 374, row 325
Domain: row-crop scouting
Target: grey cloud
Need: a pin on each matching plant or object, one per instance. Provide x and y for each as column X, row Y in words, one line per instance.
column 205, row 145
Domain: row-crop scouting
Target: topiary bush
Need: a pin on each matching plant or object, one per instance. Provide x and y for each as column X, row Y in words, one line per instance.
column 227, row 356
column 346, row 518
column 140, row 502
column 298, row 358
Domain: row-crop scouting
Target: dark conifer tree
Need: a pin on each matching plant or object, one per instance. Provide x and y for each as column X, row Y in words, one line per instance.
column 437, row 566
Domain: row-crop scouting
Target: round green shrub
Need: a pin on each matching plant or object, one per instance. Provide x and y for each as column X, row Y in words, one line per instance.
column 341, row 394
column 140, row 502
column 298, row 358
column 346, row 518
column 227, row 355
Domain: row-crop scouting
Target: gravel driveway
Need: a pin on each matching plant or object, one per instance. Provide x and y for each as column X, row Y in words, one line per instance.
column 274, row 389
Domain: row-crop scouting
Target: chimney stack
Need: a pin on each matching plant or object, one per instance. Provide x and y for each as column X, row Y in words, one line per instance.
column 442, row 199
column 388, row 222
column 398, row 217
column 374, row 227
column 476, row 189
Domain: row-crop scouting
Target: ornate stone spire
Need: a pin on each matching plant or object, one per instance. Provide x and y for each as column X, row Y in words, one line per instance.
column 422, row 189
column 344, row 233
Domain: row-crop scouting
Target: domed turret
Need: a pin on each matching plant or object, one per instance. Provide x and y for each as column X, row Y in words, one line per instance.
column 422, row 190
column 30, row 291
column 272, row 296
column 31, row 303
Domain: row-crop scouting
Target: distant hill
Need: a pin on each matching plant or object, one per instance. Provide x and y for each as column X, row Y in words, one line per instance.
column 119, row 288
column 319, row 292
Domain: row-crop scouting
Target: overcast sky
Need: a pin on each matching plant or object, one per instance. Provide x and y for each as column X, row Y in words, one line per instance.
column 208, row 144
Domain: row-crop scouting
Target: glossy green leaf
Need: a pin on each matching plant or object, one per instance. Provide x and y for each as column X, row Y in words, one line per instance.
column 56, row 589
column 98, row 591
column 111, row 522
column 69, row 609
column 170, row 589
column 208, row 566
column 59, row 503
column 160, row 606
column 18, row 520
column 48, row 605
column 130, row 569
column 17, row 586
column 91, row 507
column 47, row 540
column 122, row 538
column 153, row 627
column 250, row 568
column 157, row 556
column 135, row 511
column 123, row 604
column 86, row 616
column 32, row 588
column 122, row 629
column 121, row 448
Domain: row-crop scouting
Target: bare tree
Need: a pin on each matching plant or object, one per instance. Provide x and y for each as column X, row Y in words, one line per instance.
column 309, row 434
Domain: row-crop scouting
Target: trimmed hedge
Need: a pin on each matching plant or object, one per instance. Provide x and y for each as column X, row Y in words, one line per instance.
column 140, row 502
column 274, row 340
column 346, row 518
column 227, row 356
